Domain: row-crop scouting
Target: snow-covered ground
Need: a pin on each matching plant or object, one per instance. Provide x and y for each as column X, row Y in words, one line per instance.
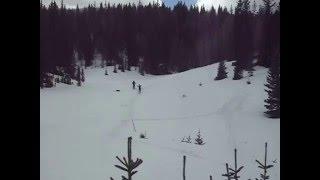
column 84, row 128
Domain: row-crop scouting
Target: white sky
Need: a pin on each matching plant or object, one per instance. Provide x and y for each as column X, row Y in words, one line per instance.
column 206, row 3
column 209, row 3
column 82, row 3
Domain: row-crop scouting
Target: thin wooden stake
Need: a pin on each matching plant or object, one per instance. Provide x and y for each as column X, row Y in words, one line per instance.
column 184, row 168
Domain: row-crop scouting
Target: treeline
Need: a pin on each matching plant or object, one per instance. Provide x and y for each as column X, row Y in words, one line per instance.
column 157, row 38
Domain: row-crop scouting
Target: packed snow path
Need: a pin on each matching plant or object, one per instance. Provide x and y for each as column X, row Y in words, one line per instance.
column 84, row 128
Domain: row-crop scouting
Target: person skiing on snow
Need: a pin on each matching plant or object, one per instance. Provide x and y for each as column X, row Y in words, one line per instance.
column 133, row 85
column 139, row 86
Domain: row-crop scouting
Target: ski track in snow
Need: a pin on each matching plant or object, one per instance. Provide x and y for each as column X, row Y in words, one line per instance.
column 228, row 112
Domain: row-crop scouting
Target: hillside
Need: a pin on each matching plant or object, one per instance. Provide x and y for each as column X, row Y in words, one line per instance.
column 84, row 128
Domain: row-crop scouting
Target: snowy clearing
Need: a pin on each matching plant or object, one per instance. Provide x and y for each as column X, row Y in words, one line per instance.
column 84, row 128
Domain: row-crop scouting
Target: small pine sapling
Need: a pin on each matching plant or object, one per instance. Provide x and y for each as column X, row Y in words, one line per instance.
column 264, row 166
column 183, row 139
column 235, row 171
column 199, row 139
column 128, row 164
column 186, row 140
column 228, row 174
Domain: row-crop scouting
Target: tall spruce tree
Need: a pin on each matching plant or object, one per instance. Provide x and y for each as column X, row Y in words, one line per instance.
column 268, row 40
column 222, row 74
column 78, row 76
column 82, row 75
column 238, row 72
column 273, row 90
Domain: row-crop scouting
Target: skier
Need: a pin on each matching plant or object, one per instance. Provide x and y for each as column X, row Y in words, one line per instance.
column 139, row 86
column 133, row 85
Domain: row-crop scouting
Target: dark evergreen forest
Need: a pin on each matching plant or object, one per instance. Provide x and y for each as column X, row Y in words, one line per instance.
column 158, row 39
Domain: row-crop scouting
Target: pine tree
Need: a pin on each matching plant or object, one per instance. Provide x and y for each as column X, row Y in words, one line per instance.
column 141, row 66
column 82, row 75
column 129, row 165
column 79, row 77
column 250, row 74
column 238, row 72
column 199, row 139
column 222, row 74
column 233, row 173
column 273, row 90
column 267, row 41
column 106, row 71
column 115, row 69
column 123, row 56
column 264, row 166
column 169, row 40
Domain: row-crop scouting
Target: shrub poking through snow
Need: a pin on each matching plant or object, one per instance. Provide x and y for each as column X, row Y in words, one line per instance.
column 66, row 79
column 128, row 164
column 250, row 73
column 47, row 81
column 143, row 135
column 186, row 140
column 264, row 165
column 199, row 139
column 233, row 173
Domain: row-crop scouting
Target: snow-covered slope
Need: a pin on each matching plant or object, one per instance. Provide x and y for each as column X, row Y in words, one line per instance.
column 84, row 128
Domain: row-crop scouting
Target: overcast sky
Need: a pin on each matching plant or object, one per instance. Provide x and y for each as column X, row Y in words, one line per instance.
column 206, row 3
